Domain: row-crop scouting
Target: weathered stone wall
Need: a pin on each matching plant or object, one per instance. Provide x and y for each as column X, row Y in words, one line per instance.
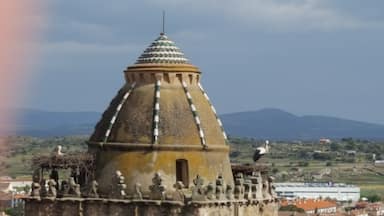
column 138, row 167
column 110, row 207
column 64, row 207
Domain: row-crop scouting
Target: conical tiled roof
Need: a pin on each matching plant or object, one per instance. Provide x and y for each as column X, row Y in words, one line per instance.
column 162, row 51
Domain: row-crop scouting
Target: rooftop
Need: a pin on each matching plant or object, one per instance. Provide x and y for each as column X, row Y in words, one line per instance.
column 310, row 204
column 162, row 51
column 313, row 184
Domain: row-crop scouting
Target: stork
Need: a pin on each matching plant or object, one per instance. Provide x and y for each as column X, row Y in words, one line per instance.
column 57, row 151
column 260, row 151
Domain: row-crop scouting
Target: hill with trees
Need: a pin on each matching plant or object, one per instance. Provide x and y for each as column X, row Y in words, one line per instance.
column 272, row 124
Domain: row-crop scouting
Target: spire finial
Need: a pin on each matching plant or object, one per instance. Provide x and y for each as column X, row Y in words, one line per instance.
column 163, row 32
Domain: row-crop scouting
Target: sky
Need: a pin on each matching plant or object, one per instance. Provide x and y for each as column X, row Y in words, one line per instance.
column 319, row 57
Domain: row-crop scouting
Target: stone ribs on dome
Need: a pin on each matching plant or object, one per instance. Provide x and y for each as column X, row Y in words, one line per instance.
column 162, row 51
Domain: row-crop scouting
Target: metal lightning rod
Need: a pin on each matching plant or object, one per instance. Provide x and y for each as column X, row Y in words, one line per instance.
column 163, row 32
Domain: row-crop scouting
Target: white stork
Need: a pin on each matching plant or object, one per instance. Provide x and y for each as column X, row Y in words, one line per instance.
column 57, row 151
column 260, row 151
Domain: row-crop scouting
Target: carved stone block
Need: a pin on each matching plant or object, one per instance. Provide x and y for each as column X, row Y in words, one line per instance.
column 178, row 194
column 52, row 192
column 93, row 189
column 239, row 186
column 35, row 189
column 157, row 189
column 137, row 194
column 220, row 193
column 198, row 191
column 210, row 191
column 229, row 192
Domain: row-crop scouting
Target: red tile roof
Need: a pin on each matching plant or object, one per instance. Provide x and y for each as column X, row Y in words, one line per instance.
column 5, row 196
column 310, row 204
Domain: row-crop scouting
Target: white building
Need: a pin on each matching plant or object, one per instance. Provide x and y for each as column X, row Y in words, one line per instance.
column 13, row 190
column 340, row 192
column 379, row 163
column 8, row 186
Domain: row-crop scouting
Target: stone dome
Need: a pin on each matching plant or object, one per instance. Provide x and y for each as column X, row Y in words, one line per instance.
column 160, row 121
column 162, row 102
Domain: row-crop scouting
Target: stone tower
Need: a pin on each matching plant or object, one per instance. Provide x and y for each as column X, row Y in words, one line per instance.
column 159, row 149
column 161, row 121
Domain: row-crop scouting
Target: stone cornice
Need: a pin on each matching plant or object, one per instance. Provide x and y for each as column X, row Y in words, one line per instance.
column 176, row 68
column 160, row 147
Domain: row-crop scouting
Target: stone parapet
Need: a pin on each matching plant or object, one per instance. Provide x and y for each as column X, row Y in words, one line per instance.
column 117, row 207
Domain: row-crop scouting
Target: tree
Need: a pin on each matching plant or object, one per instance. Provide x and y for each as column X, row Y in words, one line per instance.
column 303, row 154
column 27, row 189
column 321, row 156
column 374, row 198
column 351, row 145
column 17, row 211
column 275, row 170
column 291, row 208
column 335, row 146
column 303, row 163
column 234, row 154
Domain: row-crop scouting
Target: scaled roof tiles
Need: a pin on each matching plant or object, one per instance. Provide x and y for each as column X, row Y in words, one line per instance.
column 162, row 51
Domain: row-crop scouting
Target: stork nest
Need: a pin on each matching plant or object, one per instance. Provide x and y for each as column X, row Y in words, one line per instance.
column 82, row 160
column 249, row 168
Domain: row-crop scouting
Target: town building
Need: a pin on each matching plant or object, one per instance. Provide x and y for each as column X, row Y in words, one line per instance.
column 325, row 141
column 339, row 192
column 159, row 149
column 313, row 206
column 5, row 201
column 12, row 191
column 373, row 209
column 357, row 212
column 379, row 163
column 14, row 185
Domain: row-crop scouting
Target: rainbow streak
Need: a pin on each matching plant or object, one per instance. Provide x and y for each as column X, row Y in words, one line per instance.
column 20, row 21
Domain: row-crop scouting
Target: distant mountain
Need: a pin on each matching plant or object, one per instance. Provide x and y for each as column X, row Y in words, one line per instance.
column 278, row 124
column 44, row 123
column 264, row 124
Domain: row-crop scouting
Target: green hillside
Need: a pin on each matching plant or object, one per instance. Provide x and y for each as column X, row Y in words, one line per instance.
column 347, row 160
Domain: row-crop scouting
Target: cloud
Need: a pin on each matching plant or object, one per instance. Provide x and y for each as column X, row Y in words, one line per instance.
column 74, row 47
column 277, row 14
column 192, row 35
column 100, row 30
column 90, row 30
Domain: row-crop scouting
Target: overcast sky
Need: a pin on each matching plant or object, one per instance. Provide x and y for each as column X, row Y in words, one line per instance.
column 323, row 57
